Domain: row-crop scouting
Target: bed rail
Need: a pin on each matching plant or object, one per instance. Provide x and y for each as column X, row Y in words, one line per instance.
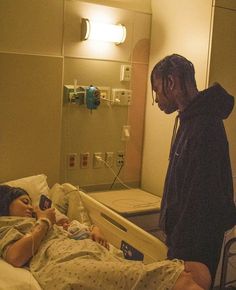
column 117, row 229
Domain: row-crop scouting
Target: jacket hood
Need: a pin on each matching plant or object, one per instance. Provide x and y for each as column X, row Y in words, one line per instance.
column 214, row 101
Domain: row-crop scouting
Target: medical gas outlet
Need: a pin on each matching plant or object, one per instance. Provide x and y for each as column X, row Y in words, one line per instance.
column 74, row 95
column 81, row 95
column 121, row 97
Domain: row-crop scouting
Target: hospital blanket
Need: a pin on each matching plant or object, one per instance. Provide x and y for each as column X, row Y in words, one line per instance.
column 62, row 263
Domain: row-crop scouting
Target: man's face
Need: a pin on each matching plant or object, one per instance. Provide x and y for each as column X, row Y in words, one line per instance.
column 166, row 102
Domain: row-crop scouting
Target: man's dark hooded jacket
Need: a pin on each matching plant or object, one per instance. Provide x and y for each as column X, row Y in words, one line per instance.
column 197, row 204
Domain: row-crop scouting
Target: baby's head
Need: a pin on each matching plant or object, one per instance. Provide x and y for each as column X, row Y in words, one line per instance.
column 64, row 223
column 61, row 219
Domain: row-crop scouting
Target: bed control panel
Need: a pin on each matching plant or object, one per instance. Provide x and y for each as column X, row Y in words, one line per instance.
column 130, row 253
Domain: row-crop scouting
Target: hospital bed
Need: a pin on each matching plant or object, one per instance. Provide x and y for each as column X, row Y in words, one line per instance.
column 122, row 234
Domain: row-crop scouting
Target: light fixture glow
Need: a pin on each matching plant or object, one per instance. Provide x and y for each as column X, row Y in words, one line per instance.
column 91, row 30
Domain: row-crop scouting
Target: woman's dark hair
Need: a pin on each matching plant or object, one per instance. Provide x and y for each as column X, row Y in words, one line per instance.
column 7, row 195
column 174, row 64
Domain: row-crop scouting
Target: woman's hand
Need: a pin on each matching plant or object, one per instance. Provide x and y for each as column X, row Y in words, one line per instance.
column 98, row 237
column 47, row 213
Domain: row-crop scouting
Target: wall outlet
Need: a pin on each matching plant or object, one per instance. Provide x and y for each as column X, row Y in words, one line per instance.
column 109, row 158
column 71, row 160
column 120, row 158
column 84, row 160
column 105, row 93
column 98, row 160
column 125, row 72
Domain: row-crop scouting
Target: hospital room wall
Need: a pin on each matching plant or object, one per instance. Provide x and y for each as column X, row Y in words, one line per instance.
column 177, row 27
column 40, row 51
column 30, row 88
column 203, row 31
column 223, row 64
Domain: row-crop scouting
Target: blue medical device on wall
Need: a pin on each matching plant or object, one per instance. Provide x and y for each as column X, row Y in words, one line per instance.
column 92, row 97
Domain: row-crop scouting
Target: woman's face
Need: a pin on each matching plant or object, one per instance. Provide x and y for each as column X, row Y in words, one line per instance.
column 21, row 206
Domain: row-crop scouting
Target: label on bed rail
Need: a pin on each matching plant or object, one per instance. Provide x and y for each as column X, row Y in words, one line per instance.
column 130, row 253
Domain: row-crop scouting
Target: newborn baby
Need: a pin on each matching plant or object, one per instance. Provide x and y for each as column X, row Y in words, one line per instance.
column 75, row 229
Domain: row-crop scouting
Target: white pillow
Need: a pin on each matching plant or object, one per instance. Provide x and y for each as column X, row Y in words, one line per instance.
column 35, row 186
column 16, row 278
column 66, row 198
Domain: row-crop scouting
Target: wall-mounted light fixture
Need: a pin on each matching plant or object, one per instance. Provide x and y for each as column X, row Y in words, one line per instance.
column 91, row 30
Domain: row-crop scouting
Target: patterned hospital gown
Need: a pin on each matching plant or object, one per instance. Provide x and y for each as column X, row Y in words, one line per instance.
column 62, row 263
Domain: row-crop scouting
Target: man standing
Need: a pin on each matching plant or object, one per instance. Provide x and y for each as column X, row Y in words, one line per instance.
column 197, row 205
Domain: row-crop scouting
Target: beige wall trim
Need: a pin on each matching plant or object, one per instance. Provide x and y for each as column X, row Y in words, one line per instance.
column 31, row 54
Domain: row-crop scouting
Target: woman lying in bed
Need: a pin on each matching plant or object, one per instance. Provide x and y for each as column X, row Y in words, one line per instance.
column 58, row 262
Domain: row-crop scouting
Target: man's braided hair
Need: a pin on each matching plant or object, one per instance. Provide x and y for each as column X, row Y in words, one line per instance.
column 174, row 64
